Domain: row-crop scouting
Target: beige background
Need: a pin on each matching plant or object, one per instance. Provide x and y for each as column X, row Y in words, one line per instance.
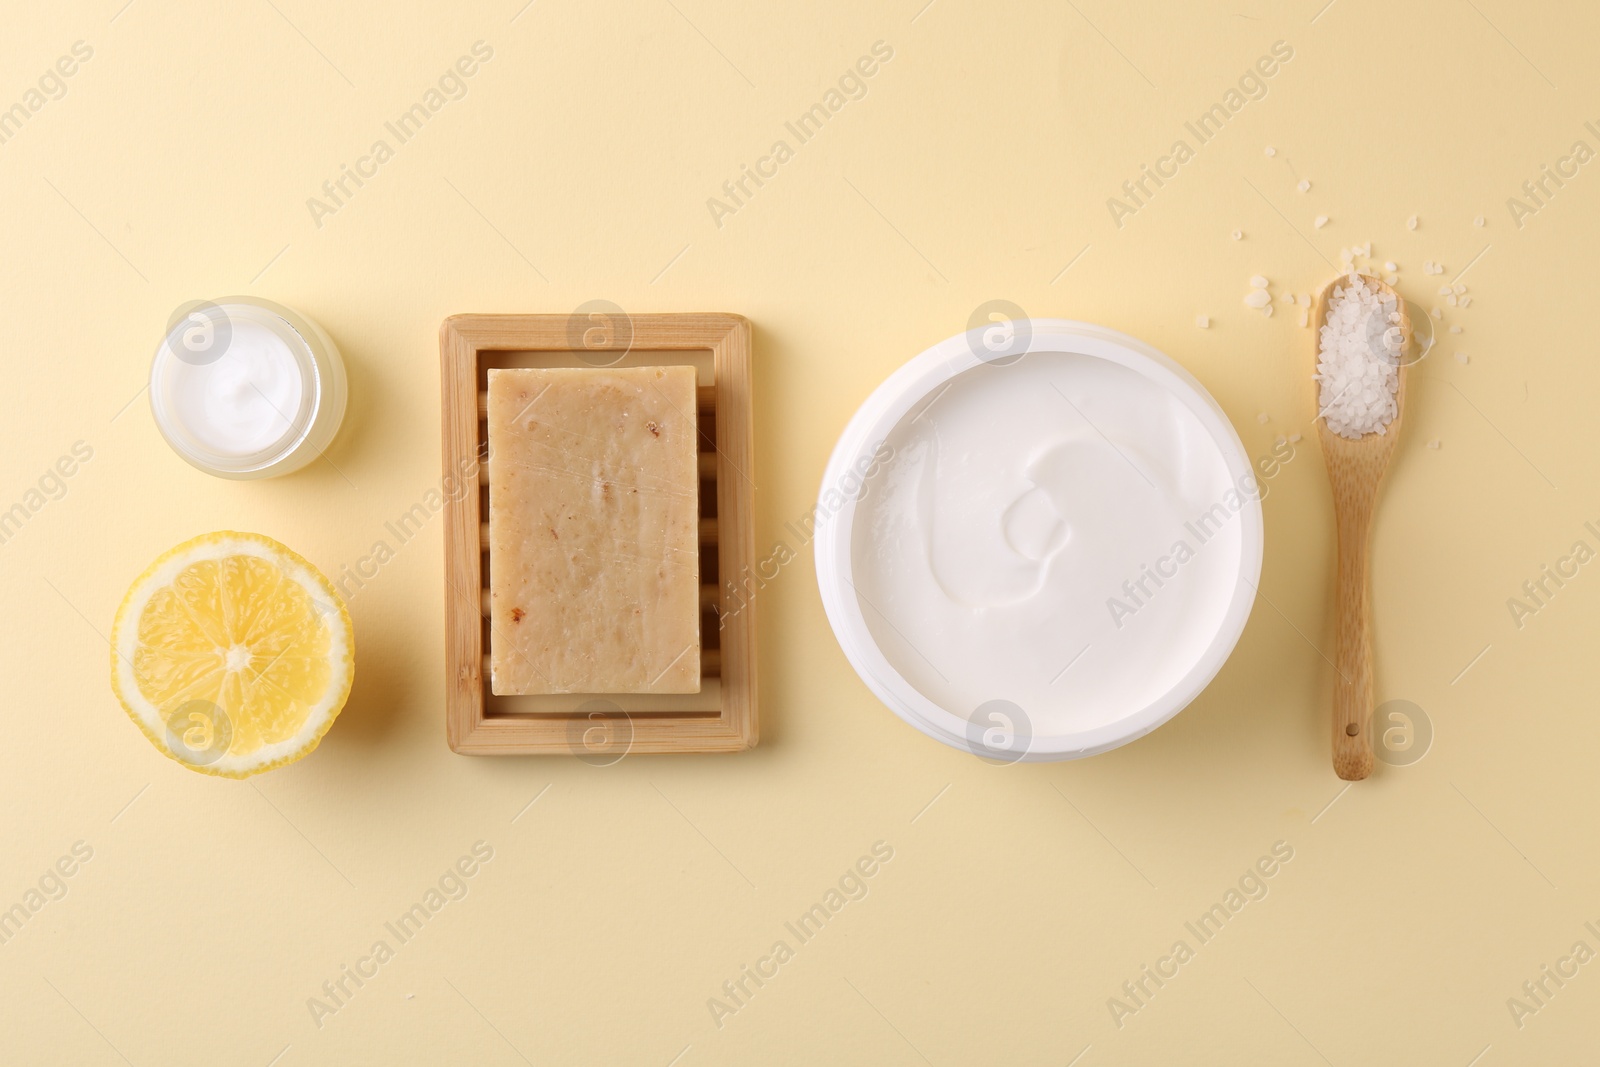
column 178, row 165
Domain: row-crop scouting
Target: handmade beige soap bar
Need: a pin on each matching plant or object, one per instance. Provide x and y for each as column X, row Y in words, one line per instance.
column 594, row 565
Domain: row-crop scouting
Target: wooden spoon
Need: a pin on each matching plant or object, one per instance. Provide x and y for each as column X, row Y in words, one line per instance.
column 1355, row 471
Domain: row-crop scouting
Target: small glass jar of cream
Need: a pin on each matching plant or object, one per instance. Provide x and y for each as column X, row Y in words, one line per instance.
column 245, row 388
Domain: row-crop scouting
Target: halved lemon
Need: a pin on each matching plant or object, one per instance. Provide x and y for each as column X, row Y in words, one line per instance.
column 232, row 654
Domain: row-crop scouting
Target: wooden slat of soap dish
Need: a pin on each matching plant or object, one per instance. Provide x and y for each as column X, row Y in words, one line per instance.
column 722, row 716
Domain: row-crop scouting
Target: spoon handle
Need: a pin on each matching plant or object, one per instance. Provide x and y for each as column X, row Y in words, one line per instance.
column 1352, row 692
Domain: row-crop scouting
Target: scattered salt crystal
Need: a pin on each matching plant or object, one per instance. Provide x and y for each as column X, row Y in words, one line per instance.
column 1411, row 223
column 1390, row 266
column 1294, row 438
column 1365, row 249
column 1304, row 186
column 1463, row 359
column 1478, row 221
column 1271, row 151
column 1266, row 312
column 1392, row 279
column 1320, row 221
column 1263, row 418
column 1445, row 290
column 1258, row 281
column 1458, row 288
column 1305, row 299
column 1305, row 316
column 1465, row 301
column 1436, row 313
column 1258, row 298
column 1455, row 329
column 1238, row 235
column 1433, row 443
column 1203, row 321
column 1280, row 440
column 1451, row 300
column 1291, row 298
column 1357, row 365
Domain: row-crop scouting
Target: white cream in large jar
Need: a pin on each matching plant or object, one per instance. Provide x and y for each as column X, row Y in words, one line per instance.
column 1055, row 548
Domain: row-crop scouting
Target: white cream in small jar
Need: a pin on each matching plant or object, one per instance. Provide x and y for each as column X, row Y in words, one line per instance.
column 1041, row 556
column 245, row 388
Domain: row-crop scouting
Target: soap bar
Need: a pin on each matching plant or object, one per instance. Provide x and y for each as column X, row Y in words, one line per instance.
column 594, row 563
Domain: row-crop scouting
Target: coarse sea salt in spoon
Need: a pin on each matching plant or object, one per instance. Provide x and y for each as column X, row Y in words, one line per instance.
column 1363, row 343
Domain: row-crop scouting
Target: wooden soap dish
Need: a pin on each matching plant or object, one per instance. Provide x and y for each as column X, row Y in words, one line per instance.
column 722, row 716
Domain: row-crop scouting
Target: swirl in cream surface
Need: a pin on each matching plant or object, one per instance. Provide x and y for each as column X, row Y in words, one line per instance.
column 1061, row 533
